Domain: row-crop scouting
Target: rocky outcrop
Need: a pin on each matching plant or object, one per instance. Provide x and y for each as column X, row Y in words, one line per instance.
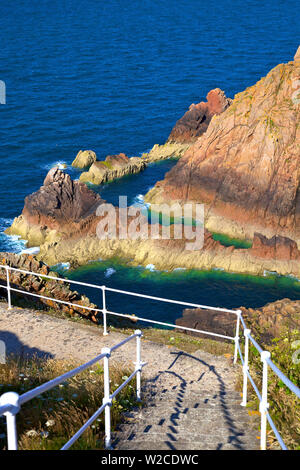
column 245, row 167
column 277, row 248
column 51, row 288
column 196, row 120
column 60, row 206
column 271, row 321
column 191, row 126
column 84, row 158
column 43, row 286
column 114, row 166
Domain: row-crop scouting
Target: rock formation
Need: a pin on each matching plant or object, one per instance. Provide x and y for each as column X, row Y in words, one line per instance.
column 191, row 126
column 277, row 248
column 43, row 286
column 84, row 158
column 271, row 321
column 60, row 205
column 114, row 166
column 246, row 167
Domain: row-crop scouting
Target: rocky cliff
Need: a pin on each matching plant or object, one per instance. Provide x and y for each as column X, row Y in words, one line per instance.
column 246, row 167
column 191, row 126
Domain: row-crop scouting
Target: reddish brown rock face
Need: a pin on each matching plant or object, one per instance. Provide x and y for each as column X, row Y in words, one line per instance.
column 60, row 202
column 246, row 167
column 275, row 248
column 196, row 120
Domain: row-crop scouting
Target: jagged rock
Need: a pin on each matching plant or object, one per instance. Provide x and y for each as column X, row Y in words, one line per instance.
column 60, row 204
column 297, row 55
column 188, row 128
column 57, row 290
column 274, row 248
column 196, row 120
column 43, row 286
column 245, row 167
column 84, row 158
column 114, row 166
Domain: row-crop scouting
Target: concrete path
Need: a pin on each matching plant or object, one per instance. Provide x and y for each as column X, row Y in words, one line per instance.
column 190, row 399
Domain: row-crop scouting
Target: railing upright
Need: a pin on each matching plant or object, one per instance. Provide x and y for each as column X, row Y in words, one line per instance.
column 245, row 367
column 264, row 405
column 107, row 400
column 11, row 399
column 8, row 289
column 104, row 310
column 138, row 364
column 237, row 332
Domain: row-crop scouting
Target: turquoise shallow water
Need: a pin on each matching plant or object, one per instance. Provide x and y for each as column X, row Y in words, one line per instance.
column 114, row 77
column 215, row 288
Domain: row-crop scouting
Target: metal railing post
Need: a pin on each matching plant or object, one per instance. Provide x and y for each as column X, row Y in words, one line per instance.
column 264, row 405
column 105, row 333
column 11, row 398
column 107, row 400
column 245, row 367
column 138, row 364
column 8, row 289
column 237, row 332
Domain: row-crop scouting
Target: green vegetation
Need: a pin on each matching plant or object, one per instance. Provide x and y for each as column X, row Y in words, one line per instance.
column 50, row 420
column 284, row 405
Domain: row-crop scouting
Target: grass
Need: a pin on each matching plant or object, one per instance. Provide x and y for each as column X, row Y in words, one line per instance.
column 50, row 420
column 284, row 406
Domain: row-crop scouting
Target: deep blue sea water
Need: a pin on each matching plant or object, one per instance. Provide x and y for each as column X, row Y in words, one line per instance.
column 114, row 77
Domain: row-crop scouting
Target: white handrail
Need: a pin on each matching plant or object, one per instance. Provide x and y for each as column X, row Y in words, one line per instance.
column 11, row 402
column 265, row 355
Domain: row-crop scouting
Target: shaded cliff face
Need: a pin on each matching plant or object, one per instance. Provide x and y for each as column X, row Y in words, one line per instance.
column 196, row 120
column 246, row 167
column 60, row 201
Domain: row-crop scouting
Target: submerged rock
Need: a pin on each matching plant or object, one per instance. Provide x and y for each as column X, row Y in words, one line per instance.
column 84, row 158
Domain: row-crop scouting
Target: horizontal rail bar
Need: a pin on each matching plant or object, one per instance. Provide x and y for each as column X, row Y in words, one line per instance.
column 56, row 300
column 254, row 386
column 83, row 428
column 284, row 379
column 257, row 346
column 119, row 345
column 5, row 408
column 170, row 324
column 58, row 380
column 71, row 281
column 120, row 388
column 178, row 302
column 277, row 435
column 135, row 294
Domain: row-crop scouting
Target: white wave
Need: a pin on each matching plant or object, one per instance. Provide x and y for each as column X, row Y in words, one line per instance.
column 61, row 267
column 179, row 269
column 60, row 164
column 151, row 267
column 31, row 251
column 10, row 243
column 109, row 272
